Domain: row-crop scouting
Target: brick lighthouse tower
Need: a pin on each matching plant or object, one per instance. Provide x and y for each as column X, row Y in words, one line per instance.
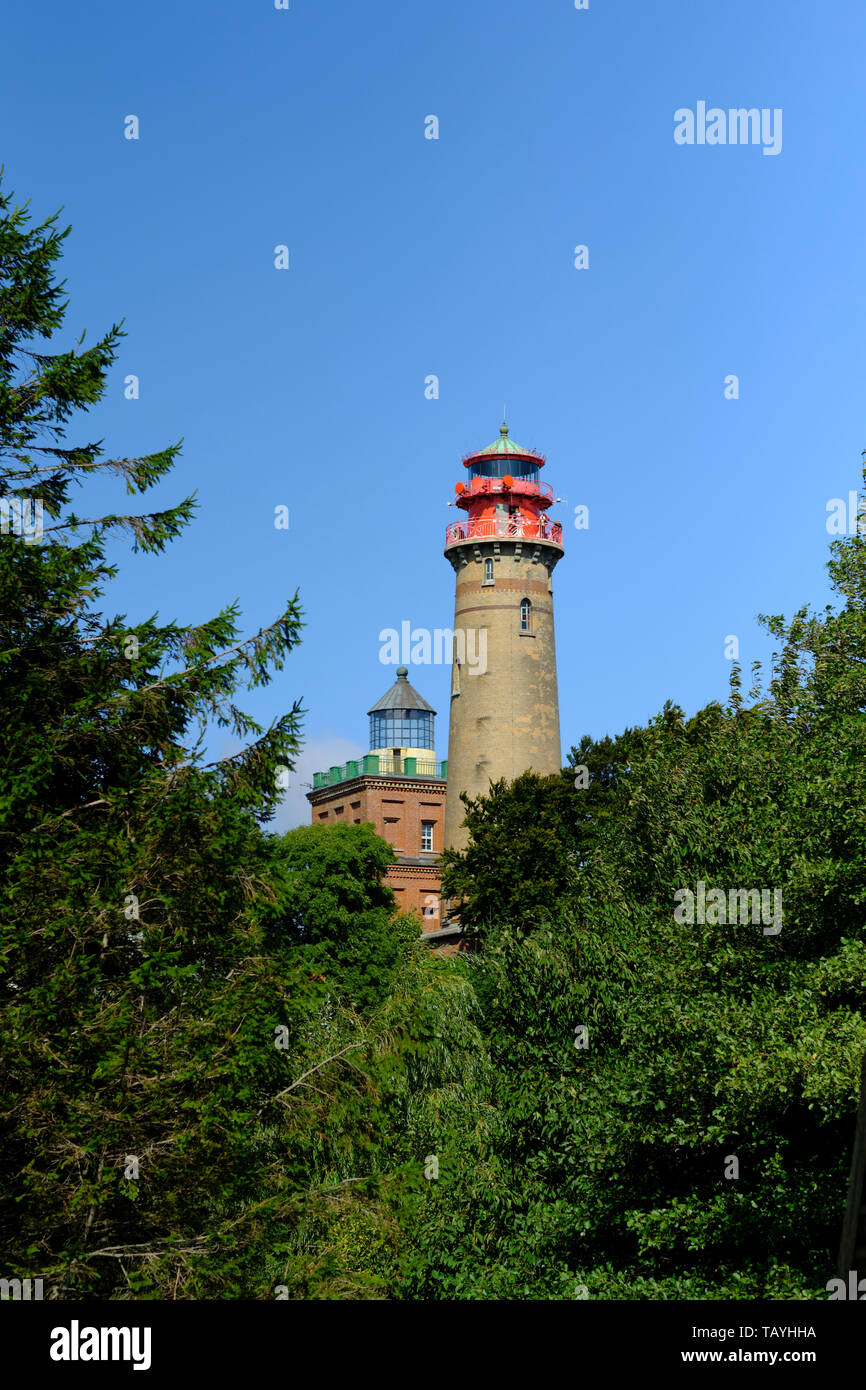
column 504, row 702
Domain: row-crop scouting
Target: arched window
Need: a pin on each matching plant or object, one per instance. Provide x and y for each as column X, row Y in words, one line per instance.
column 525, row 615
column 488, row 571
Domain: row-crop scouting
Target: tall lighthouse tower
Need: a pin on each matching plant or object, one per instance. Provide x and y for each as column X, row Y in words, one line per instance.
column 504, row 702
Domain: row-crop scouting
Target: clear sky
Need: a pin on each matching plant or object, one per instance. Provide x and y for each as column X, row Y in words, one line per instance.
column 454, row 257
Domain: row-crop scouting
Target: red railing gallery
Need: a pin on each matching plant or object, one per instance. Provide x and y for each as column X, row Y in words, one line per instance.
column 488, row 528
column 528, row 487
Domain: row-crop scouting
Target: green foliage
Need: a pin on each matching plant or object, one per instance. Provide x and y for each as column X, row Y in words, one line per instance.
column 318, row 1107
column 705, row 1041
column 136, row 1005
column 515, row 867
column 334, row 905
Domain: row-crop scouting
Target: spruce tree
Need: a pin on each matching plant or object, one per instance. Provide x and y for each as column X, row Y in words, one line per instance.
column 137, row 1008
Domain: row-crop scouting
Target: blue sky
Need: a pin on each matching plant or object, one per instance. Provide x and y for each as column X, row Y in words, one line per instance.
column 410, row 257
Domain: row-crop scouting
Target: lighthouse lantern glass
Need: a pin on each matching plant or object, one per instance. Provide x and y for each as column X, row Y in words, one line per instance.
column 500, row 468
column 401, row 728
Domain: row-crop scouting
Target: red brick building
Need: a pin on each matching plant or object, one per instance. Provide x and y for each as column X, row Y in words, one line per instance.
column 399, row 787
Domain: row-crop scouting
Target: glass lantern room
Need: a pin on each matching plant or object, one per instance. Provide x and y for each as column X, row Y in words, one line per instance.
column 396, row 728
column 402, row 718
column 503, row 458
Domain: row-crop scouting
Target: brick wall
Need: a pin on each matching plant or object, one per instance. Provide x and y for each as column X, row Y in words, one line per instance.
column 397, row 807
column 504, row 714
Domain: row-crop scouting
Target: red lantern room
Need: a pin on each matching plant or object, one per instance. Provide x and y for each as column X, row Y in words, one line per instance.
column 504, row 496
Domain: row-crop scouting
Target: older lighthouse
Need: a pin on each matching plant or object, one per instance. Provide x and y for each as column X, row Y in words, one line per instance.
column 504, row 703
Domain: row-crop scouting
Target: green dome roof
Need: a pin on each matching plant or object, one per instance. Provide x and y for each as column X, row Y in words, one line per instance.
column 504, row 445
column 502, row 448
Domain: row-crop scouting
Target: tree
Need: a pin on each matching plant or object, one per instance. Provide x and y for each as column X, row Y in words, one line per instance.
column 526, row 836
column 335, row 905
column 515, row 867
column 676, row 1098
column 137, row 1008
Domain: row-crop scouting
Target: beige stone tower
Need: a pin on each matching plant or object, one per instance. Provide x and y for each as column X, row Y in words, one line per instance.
column 504, row 701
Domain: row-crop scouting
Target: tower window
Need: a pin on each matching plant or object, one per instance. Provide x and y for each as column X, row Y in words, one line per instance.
column 427, row 834
column 525, row 615
column 488, row 571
